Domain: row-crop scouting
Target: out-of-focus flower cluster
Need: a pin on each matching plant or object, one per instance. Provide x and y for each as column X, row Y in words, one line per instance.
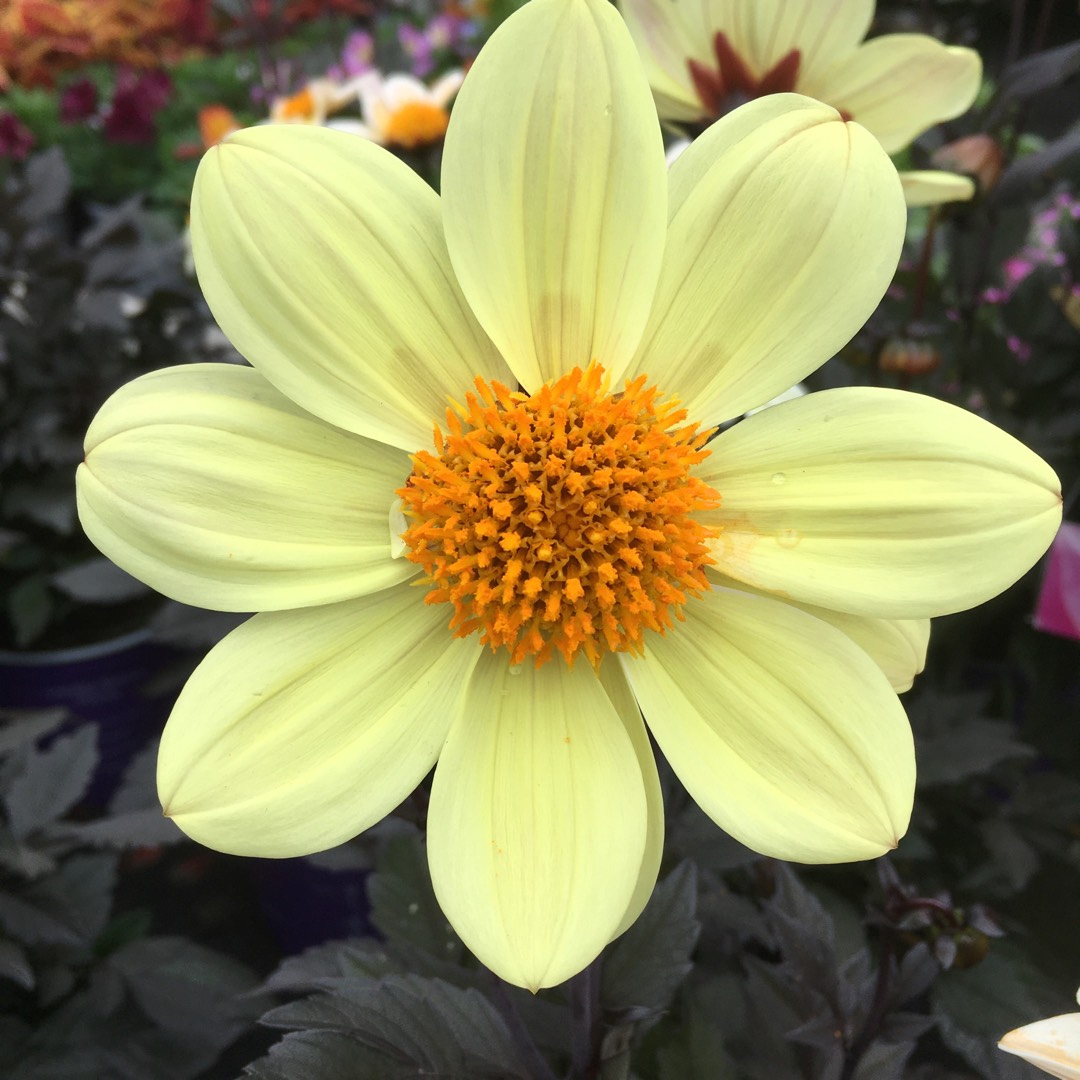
column 41, row 39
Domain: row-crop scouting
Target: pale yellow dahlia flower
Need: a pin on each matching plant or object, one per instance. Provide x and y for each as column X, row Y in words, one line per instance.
column 1052, row 1045
column 753, row 597
column 705, row 57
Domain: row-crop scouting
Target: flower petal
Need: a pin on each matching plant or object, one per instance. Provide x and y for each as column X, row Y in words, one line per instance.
column 897, row 646
column 898, row 85
column 537, row 820
column 209, row 485
column 764, row 31
column 303, row 728
column 622, row 697
column 757, row 288
column 322, row 258
column 667, row 36
column 1052, row 1045
column 553, row 190
column 784, row 732
column 931, row 187
column 878, row 502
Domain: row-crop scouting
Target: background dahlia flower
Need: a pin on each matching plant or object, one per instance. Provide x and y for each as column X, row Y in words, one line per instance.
column 706, row 57
column 1052, row 1045
column 756, row 597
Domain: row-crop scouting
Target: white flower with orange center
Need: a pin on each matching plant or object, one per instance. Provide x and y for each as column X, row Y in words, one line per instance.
column 399, row 110
column 484, row 385
column 315, row 103
column 1052, row 1045
column 705, row 57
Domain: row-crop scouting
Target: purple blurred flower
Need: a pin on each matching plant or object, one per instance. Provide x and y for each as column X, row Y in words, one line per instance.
column 16, row 139
column 79, row 101
column 418, row 48
column 358, row 54
column 136, row 101
column 1019, row 348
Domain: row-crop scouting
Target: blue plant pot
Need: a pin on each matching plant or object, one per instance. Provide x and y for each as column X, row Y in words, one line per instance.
column 305, row 904
column 104, row 684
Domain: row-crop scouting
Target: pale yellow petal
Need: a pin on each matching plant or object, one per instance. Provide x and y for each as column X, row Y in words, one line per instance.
column 667, row 36
column 898, row 85
column 537, row 821
column 553, row 190
column 784, row 732
column 897, row 646
column 878, row 502
column 931, row 187
column 303, row 728
column 209, row 485
column 763, row 32
column 622, row 697
column 322, row 258
column 758, row 286
column 1052, row 1045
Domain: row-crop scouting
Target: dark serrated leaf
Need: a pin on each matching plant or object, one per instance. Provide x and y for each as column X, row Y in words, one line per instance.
column 98, row 581
column 975, row 1007
column 22, row 728
column 325, row 1055
column 1011, row 856
column 644, row 967
column 141, row 828
column 47, row 185
column 403, row 904
column 52, row 781
column 1039, row 72
column 27, row 923
column 424, row 1023
column 884, row 1061
column 79, row 894
column 15, row 965
column 969, row 748
column 804, row 934
column 138, row 786
column 323, row 965
column 187, row 988
column 1017, row 180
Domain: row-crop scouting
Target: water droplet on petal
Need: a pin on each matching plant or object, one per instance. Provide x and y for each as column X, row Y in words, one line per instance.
column 788, row 538
column 779, row 478
column 515, row 669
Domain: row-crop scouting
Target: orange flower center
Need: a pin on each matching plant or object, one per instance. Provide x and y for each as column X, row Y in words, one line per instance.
column 301, row 106
column 561, row 522
column 416, row 123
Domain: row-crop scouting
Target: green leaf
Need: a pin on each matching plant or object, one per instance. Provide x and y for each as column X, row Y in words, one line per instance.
column 425, row 1024
column 52, row 781
column 644, row 967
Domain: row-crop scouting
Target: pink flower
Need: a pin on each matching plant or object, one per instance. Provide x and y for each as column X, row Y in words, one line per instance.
column 136, row 102
column 79, row 101
column 16, row 139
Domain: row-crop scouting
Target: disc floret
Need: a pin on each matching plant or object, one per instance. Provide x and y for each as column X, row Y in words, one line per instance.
column 563, row 521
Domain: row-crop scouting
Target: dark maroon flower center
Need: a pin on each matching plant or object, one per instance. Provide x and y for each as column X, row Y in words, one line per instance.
column 731, row 82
